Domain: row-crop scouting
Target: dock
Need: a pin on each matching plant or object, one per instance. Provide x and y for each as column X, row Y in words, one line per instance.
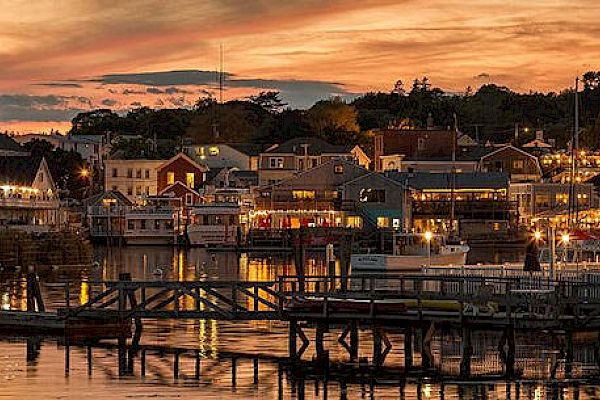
column 412, row 306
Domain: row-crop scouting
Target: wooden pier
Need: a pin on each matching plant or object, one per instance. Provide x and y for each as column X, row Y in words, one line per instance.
column 413, row 306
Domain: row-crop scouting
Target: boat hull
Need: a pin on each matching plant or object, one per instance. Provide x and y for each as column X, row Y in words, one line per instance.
column 392, row 263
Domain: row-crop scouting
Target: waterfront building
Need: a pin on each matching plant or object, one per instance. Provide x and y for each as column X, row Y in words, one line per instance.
column 106, row 214
column 28, row 194
column 519, row 164
column 134, row 178
column 243, row 156
column 338, row 193
column 233, row 178
column 536, row 199
column 301, row 154
column 480, row 202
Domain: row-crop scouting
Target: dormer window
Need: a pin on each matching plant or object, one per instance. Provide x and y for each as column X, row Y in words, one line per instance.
column 276, row 162
column 338, row 169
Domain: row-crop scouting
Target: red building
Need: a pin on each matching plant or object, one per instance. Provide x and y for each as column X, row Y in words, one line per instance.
column 183, row 170
column 414, row 144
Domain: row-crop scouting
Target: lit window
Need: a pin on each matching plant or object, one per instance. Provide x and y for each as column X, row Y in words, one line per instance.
column 213, row 151
column 276, row 162
column 383, row 222
column 170, row 178
column 354, row 222
column 189, row 199
column 303, row 194
column 189, row 179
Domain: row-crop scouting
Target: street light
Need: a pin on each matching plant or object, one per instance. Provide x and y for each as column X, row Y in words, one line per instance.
column 537, row 235
column 565, row 238
column 428, row 237
column 84, row 172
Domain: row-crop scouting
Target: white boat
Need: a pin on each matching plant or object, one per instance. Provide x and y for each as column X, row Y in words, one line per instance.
column 214, row 224
column 410, row 253
column 155, row 223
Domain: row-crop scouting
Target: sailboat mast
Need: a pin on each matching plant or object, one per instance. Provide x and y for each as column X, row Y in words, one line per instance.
column 453, row 183
column 574, row 151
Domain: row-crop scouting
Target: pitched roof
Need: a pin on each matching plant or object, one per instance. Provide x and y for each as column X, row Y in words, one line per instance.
column 249, row 149
column 324, row 175
column 465, row 180
column 187, row 158
column 315, row 147
column 20, row 170
column 115, row 194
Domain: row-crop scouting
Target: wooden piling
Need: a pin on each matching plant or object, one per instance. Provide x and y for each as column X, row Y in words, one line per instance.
column 293, row 340
column 467, row 352
column 353, row 341
column 408, row 348
column 377, row 347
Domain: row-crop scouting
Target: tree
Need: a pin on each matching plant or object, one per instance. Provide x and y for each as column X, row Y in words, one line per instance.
column 333, row 120
column 270, row 101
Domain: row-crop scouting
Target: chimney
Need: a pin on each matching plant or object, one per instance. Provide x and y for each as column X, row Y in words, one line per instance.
column 430, row 125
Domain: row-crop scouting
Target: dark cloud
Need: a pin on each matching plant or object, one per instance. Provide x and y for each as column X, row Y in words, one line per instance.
column 25, row 100
column 127, row 92
column 298, row 93
column 162, row 78
column 109, row 102
column 41, row 108
column 483, row 75
column 174, row 90
column 136, row 104
column 59, row 84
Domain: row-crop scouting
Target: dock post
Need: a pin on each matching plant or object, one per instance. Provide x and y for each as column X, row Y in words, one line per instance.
column 89, row 360
column 510, row 356
column 467, row 352
column 319, row 342
column 143, row 363
column 122, row 355
column 34, row 294
column 233, row 372
column 293, row 340
column 176, row 365
column 569, row 354
column 408, row 348
column 197, row 366
column 67, row 357
column 426, row 354
column 353, row 341
column 255, row 371
column 377, row 356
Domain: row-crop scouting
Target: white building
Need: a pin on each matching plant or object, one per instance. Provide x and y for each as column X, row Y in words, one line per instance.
column 134, row 178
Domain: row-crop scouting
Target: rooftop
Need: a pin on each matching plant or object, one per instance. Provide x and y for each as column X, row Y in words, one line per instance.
column 315, row 147
column 466, row 180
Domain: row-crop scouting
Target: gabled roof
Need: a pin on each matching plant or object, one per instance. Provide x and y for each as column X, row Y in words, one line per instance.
column 465, row 180
column 178, row 184
column 508, row 147
column 186, row 158
column 324, row 175
column 536, row 143
column 19, row 170
column 249, row 149
column 315, row 147
column 109, row 194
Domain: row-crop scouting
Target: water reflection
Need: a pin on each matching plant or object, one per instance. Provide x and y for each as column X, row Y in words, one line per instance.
column 35, row 369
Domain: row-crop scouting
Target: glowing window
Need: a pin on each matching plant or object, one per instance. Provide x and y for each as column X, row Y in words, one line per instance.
column 383, row 222
column 303, row 194
column 189, row 179
column 213, row 151
column 170, row 178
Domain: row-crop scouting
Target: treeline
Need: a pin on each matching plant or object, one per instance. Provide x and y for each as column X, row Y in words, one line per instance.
column 492, row 112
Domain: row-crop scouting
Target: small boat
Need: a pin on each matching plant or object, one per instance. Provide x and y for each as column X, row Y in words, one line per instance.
column 411, row 252
column 214, row 224
column 154, row 223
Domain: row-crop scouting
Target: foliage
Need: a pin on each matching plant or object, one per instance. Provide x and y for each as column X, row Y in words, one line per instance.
column 65, row 166
column 493, row 112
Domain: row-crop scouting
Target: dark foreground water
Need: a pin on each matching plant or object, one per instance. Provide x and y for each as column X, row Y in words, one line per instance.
column 248, row 359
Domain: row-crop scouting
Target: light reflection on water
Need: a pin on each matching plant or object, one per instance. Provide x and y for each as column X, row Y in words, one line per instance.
column 46, row 378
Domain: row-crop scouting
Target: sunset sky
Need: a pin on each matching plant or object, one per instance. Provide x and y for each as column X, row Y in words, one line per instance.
column 59, row 57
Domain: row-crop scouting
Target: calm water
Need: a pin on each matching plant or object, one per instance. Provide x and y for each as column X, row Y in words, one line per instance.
column 38, row 368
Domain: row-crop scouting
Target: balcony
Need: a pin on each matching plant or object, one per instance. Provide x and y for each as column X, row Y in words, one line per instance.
column 471, row 208
column 13, row 202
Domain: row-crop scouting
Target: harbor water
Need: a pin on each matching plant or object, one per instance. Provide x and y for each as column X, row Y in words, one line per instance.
column 242, row 360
